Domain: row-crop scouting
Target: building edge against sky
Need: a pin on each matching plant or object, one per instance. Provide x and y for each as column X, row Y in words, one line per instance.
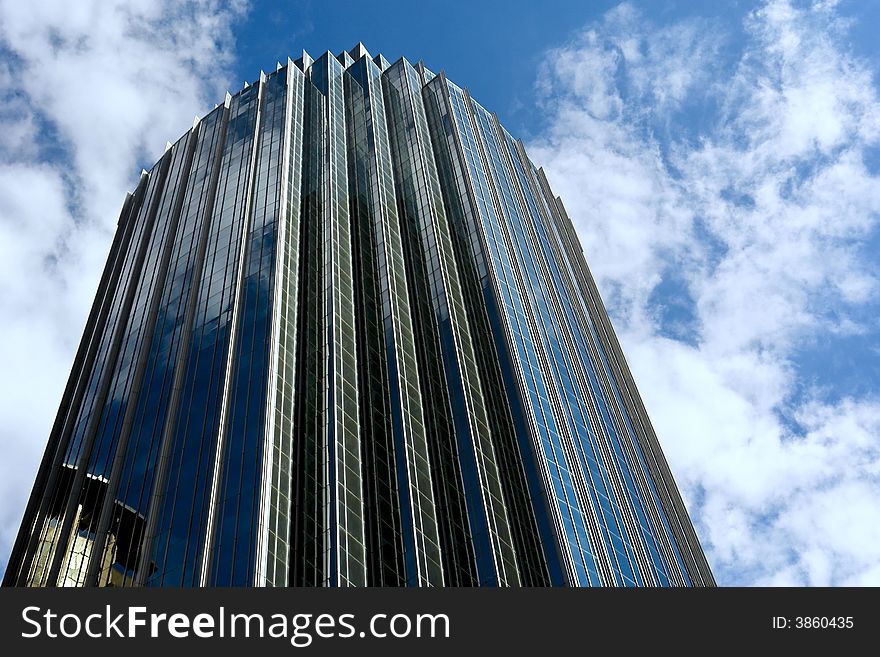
column 346, row 335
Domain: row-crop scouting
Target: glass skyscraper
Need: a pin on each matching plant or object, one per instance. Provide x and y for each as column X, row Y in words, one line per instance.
column 346, row 336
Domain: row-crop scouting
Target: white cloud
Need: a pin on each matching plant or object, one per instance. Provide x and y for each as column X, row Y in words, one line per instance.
column 89, row 92
column 762, row 214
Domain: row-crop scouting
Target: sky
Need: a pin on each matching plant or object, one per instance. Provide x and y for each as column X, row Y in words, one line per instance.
column 720, row 160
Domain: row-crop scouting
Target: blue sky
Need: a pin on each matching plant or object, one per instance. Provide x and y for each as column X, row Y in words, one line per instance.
column 720, row 161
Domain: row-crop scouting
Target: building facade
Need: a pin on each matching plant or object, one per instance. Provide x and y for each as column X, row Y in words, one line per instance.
column 346, row 336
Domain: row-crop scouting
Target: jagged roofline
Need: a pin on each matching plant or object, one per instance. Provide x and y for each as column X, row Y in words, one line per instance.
column 305, row 62
column 347, row 58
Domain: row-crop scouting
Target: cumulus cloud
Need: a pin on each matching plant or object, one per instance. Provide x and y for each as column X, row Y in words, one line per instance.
column 89, row 93
column 723, row 189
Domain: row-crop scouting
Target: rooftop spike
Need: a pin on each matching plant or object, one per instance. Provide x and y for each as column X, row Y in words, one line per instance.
column 345, row 59
column 359, row 51
column 304, row 62
column 381, row 62
column 424, row 73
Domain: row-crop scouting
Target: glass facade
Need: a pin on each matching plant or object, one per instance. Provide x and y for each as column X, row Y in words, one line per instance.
column 346, row 336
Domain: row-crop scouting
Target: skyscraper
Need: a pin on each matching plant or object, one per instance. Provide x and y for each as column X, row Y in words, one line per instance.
column 346, row 336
